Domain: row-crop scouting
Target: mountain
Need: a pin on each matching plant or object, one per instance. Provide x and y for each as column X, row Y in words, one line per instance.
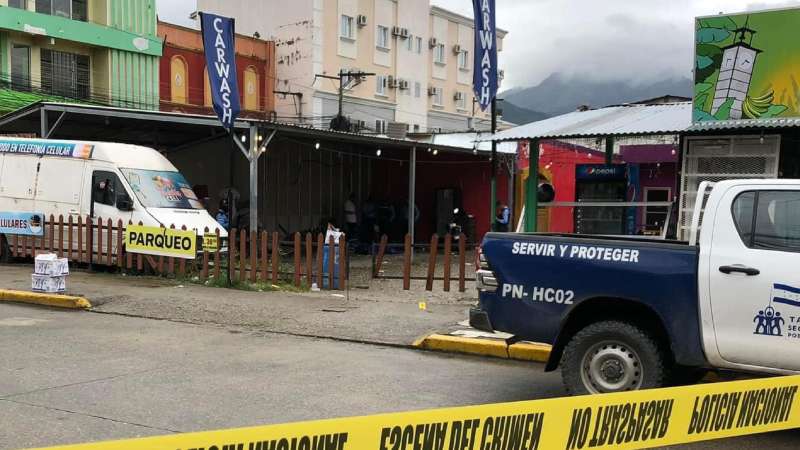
column 559, row 94
column 514, row 114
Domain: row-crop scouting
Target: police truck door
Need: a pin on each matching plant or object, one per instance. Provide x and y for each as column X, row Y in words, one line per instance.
column 754, row 282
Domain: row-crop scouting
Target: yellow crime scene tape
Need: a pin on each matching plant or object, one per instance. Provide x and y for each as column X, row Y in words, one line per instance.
column 627, row 420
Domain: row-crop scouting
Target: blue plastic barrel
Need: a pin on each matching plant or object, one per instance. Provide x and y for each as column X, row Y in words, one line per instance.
column 325, row 269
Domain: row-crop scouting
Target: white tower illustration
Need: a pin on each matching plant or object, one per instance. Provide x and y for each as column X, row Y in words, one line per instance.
column 736, row 72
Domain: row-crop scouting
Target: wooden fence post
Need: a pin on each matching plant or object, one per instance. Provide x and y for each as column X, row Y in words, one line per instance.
column 120, row 245
column 109, row 242
column 407, row 249
column 297, row 260
column 381, row 255
column 242, row 255
column 60, row 236
column 80, row 238
column 342, row 262
column 309, row 260
column 432, row 261
column 276, row 255
column 231, row 255
column 69, row 238
column 448, row 242
column 89, row 240
column 52, row 228
column 462, row 262
column 217, row 261
column 264, row 256
column 331, row 261
column 139, row 257
column 320, row 245
column 204, row 268
column 182, row 261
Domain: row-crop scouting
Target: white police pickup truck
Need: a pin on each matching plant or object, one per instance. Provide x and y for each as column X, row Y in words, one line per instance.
column 623, row 313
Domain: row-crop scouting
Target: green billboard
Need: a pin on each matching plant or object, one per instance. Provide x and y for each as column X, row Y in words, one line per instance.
column 747, row 66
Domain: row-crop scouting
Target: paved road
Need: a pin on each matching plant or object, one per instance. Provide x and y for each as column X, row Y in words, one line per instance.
column 68, row 377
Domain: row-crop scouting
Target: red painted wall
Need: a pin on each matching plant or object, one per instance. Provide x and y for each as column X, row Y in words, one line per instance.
column 468, row 173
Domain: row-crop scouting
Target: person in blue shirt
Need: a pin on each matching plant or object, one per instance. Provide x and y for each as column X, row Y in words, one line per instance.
column 503, row 217
column 222, row 215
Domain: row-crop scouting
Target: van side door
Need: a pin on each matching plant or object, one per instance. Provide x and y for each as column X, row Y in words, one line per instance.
column 754, row 284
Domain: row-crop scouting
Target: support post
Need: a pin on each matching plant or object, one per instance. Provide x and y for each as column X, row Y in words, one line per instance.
column 609, row 150
column 253, row 178
column 493, row 179
column 43, row 122
column 412, row 181
column 532, row 188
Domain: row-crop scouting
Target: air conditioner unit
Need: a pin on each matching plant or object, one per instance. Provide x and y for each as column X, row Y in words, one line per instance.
column 403, row 84
column 404, row 33
column 396, row 31
column 459, row 96
column 361, row 20
column 457, row 49
column 433, row 42
column 432, row 91
column 392, row 82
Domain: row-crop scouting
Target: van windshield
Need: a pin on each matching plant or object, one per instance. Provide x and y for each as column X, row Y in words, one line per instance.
column 161, row 189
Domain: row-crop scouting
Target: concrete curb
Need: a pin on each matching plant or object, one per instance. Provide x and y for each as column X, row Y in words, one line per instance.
column 521, row 351
column 55, row 300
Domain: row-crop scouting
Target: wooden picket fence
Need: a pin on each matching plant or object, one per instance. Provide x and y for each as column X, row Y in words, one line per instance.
column 251, row 257
column 433, row 249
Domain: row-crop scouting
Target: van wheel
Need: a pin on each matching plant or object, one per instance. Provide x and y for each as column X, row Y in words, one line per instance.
column 5, row 251
column 612, row 356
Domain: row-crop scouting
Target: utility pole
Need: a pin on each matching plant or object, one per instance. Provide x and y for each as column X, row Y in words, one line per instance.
column 493, row 184
column 340, row 122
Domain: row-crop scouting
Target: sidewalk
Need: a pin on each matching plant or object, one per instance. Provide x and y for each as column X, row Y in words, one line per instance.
column 383, row 314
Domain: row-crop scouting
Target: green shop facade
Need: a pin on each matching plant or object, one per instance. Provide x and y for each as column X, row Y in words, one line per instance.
column 93, row 51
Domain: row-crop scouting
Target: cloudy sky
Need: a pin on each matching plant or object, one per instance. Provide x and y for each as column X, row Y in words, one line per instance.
column 638, row 40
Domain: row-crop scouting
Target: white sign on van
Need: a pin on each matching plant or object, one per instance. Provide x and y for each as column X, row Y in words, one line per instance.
column 47, row 148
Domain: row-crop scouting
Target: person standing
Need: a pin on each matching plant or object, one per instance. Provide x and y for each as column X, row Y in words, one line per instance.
column 351, row 217
column 503, row 217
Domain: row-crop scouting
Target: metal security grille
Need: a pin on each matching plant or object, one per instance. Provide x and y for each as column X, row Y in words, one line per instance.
column 723, row 159
column 65, row 74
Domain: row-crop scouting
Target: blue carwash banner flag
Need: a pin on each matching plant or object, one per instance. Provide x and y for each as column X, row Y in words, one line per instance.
column 484, row 77
column 220, row 51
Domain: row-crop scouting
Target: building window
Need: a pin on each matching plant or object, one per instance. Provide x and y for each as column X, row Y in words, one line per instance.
column 21, row 67
column 380, row 84
column 461, row 100
column 438, row 94
column 417, row 89
column 70, row 9
column 251, row 89
column 438, row 54
column 346, row 28
column 65, row 74
column 463, row 60
column 382, row 38
column 416, row 128
column 410, row 44
column 419, row 45
column 179, row 84
column 18, row 4
column 380, row 126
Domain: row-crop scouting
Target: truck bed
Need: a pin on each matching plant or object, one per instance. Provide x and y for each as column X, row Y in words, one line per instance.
column 545, row 278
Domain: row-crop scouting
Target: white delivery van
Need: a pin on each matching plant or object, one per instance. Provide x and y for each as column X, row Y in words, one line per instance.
column 98, row 179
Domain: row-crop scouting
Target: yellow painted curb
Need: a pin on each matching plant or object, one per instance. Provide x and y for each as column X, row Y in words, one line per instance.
column 484, row 347
column 56, row 300
column 527, row 351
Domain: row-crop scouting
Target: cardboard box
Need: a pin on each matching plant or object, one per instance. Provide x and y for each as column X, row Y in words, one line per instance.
column 49, row 284
column 50, row 264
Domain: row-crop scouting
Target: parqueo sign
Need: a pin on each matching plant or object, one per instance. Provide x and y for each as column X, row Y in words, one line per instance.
column 640, row 419
column 161, row 241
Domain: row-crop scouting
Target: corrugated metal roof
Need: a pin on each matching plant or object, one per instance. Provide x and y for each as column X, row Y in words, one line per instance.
column 623, row 120
column 744, row 123
column 469, row 141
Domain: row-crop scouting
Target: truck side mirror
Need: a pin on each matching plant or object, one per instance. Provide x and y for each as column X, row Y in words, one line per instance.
column 124, row 204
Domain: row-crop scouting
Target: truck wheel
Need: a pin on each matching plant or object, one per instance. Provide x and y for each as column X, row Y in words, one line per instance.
column 612, row 357
column 5, row 252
